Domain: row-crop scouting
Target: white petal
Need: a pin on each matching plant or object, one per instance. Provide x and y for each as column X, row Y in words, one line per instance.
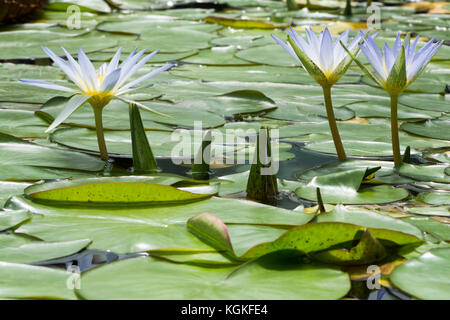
column 373, row 60
column 287, row 47
column 326, row 52
column 140, row 105
column 304, row 46
column 145, row 77
column 421, row 62
column 73, row 104
column 88, row 70
column 136, row 67
column 397, row 45
column 389, row 58
column 76, row 71
column 372, row 47
column 110, row 81
column 47, row 85
column 127, row 65
column 63, row 66
column 114, row 61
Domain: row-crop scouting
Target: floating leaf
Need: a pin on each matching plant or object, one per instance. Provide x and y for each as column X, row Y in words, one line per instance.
column 35, row 251
column 111, row 191
column 345, row 187
column 425, row 277
column 271, row 277
column 21, row 281
column 143, row 159
column 10, row 219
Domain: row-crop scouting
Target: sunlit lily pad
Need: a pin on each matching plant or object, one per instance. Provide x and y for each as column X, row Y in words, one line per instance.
column 425, row 277
column 34, row 251
column 263, row 278
column 12, row 218
column 15, row 152
column 130, row 191
column 385, row 174
column 435, row 228
column 149, row 228
column 19, row 281
column 434, row 173
column 345, row 187
column 438, row 129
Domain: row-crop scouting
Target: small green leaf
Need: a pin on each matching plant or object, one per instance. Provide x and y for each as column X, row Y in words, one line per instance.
column 143, row 159
column 262, row 181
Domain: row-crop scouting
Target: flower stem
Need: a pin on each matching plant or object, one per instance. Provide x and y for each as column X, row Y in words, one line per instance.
column 394, row 131
column 100, row 135
column 332, row 122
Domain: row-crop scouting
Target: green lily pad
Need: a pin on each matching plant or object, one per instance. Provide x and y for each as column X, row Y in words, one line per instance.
column 151, row 228
column 432, row 102
column 12, row 218
column 437, row 198
column 130, row 191
column 21, row 123
column 386, row 174
column 376, row 109
column 22, row 281
column 434, row 173
column 373, row 140
column 442, row 210
column 85, row 5
column 368, row 219
column 425, row 277
column 273, row 55
column 10, row 188
column 164, row 144
column 437, row 129
column 13, row 72
column 115, row 116
column 30, row 42
column 217, row 56
column 304, row 112
column 263, row 278
column 34, row 251
column 15, row 152
column 314, row 237
column 231, row 103
column 248, row 74
column 435, row 228
column 345, row 187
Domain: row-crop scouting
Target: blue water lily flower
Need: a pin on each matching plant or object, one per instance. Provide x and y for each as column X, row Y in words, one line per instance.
column 326, row 61
column 402, row 56
column 395, row 69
